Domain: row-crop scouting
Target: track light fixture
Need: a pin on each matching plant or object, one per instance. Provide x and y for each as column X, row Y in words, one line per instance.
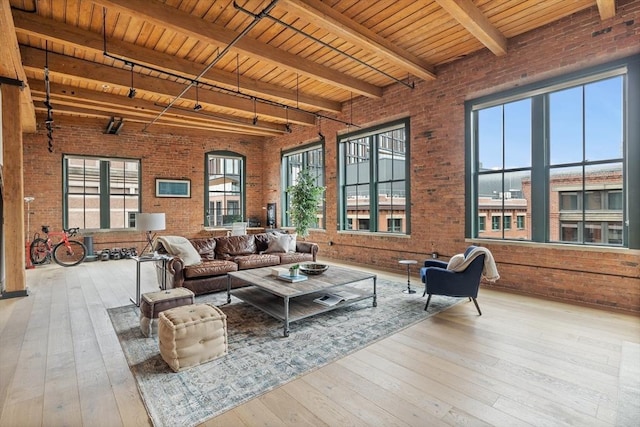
column 197, row 107
column 132, row 91
column 114, row 126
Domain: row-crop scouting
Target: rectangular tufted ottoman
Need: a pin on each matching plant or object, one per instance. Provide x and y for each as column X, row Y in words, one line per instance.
column 191, row 335
column 153, row 303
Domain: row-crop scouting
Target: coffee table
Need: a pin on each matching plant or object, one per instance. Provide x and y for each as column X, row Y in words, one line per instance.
column 290, row 302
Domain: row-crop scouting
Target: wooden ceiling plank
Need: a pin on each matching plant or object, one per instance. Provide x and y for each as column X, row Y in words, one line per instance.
column 88, row 71
column 470, row 17
column 338, row 24
column 33, row 25
column 184, row 23
column 606, row 8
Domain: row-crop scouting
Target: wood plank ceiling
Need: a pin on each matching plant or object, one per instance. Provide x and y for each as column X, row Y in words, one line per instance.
column 301, row 60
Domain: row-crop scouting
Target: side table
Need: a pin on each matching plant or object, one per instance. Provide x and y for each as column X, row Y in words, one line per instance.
column 139, row 260
column 408, row 263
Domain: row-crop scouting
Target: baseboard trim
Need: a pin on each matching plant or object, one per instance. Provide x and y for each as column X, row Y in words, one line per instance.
column 14, row 294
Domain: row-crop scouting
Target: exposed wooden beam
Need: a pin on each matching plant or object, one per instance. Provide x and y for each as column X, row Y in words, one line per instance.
column 37, row 26
column 63, row 96
column 470, row 17
column 11, row 65
column 606, row 8
column 87, row 112
column 336, row 23
column 169, row 17
column 85, row 71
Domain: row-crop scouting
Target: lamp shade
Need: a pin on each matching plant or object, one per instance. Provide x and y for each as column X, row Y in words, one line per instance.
column 150, row 221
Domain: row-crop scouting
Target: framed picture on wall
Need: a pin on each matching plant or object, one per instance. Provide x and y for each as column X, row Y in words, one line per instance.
column 173, row 187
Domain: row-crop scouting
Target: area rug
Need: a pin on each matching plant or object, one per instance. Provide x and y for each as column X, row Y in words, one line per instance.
column 259, row 357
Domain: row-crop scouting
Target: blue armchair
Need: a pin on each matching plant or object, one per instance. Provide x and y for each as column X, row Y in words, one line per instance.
column 440, row 281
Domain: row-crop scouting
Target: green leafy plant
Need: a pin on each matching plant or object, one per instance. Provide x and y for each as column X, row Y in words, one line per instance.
column 304, row 198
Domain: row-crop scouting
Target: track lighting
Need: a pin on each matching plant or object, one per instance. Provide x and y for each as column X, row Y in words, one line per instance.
column 132, row 91
column 197, row 107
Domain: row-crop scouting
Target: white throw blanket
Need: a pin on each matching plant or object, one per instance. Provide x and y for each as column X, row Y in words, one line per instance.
column 181, row 247
column 489, row 270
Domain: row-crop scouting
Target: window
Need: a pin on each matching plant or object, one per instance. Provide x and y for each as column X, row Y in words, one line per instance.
column 556, row 152
column 495, row 223
column 394, row 225
column 100, row 193
column 506, row 222
column 311, row 157
column 482, row 226
column 225, row 194
column 373, row 179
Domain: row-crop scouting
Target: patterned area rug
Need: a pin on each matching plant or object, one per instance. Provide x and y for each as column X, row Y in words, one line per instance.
column 259, row 357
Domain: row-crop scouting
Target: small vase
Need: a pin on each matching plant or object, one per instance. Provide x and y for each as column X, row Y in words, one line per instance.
column 293, row 272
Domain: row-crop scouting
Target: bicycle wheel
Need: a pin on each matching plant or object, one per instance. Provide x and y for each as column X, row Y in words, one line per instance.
column 39, row 252
column 69, row 256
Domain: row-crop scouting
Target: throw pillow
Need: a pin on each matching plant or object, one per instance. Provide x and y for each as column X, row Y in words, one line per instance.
column 455, row 262
column 278, row 244
column 292, row 241
column 291, row 237
column 181, row 247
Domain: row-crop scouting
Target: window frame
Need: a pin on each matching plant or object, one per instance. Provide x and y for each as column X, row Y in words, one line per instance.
column 104, row 193
column 373, row 182
column 225, row 207
column 629, row 69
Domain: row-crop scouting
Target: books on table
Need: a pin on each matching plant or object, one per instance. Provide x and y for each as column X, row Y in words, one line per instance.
column 335, row 298
column 292, row 279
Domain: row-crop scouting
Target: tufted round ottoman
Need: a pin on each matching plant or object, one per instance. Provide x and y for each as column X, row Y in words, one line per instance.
column 191, row 335
column 153, row 303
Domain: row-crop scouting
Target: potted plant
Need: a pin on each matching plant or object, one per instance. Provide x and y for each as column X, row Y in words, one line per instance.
column 304, row 198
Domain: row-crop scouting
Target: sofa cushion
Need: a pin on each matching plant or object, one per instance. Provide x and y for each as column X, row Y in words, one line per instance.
column 295, row 257
column 205, row 247
column 216, row 267
column 246, row 262
column 228, row 247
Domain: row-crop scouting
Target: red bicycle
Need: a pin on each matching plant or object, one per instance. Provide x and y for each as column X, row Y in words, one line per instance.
column 66, row 253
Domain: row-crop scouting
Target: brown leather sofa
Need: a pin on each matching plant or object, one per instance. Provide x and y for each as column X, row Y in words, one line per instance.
column 221, row 255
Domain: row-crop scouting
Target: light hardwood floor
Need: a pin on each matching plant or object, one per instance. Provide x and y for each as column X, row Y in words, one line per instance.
column 525, row 361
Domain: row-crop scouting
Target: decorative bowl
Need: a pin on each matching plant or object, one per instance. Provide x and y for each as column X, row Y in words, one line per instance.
column 313, row 268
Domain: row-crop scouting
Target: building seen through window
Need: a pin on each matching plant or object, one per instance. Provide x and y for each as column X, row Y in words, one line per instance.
column 225, row 189
column 100, row 193
column 373, row 179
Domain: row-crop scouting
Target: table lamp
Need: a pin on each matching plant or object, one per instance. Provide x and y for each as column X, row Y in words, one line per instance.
column 149, row 222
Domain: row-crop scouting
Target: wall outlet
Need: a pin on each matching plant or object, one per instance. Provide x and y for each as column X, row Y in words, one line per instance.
column 434, row 255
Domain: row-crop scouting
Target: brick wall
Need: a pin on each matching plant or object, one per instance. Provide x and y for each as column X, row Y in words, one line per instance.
column 161, row 155
column 600, row 277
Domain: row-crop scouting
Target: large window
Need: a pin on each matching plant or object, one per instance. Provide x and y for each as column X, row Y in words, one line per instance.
column 558, row 153
column 373, row 179
column 224, row 196
column 100, row 193
column 312, row 158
